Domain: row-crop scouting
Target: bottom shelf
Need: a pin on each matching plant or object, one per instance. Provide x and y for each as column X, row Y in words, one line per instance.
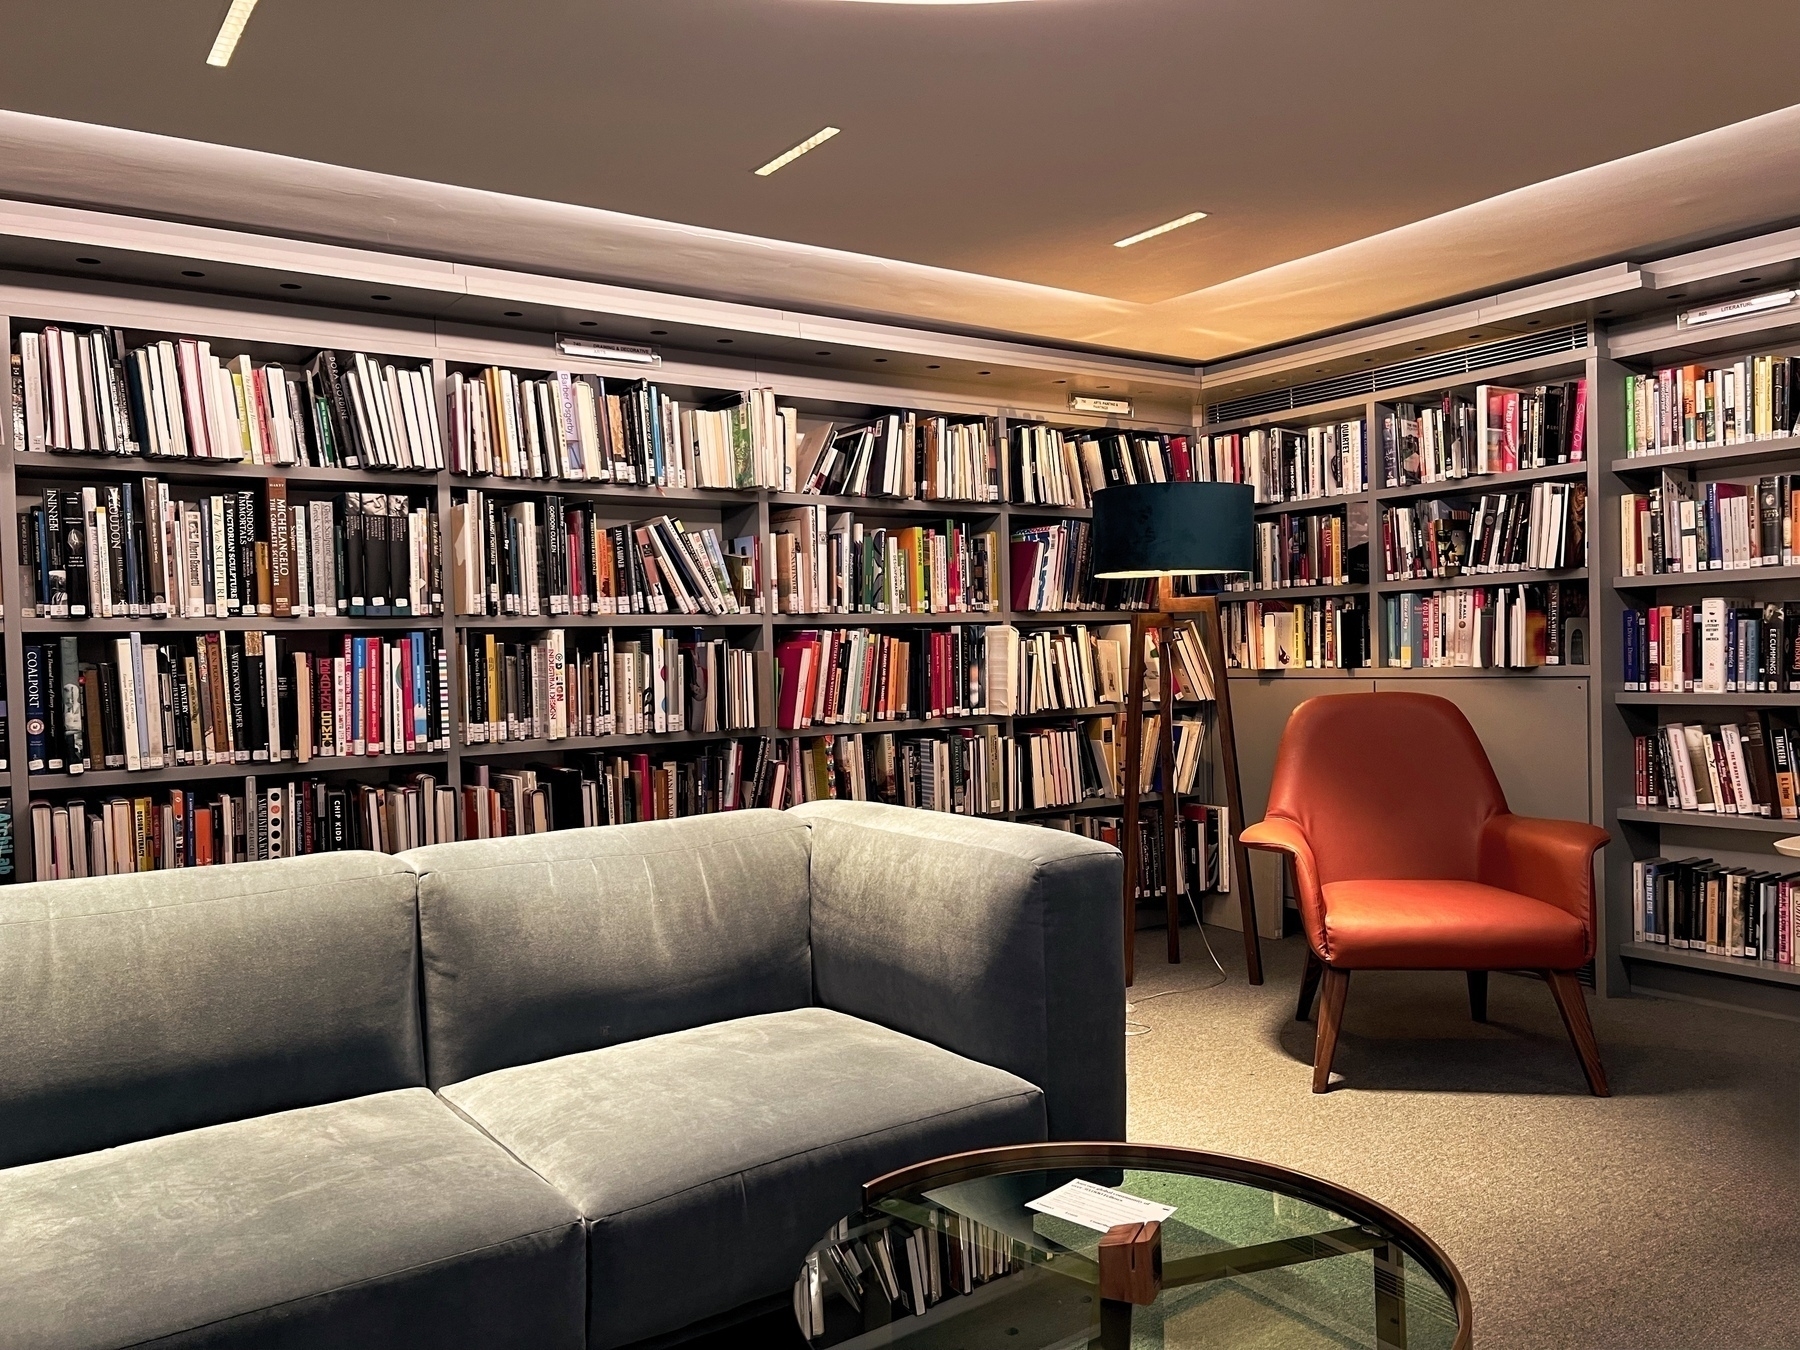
column 1766, row 972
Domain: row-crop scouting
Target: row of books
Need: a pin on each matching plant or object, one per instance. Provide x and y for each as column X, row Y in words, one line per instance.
column 1284, row 465
column 1691, row 407
column 1301, row 550
column 135, row 551
column 1202, row 855
column 883, row 1274
column 1075, row 668
column 828, row 562
column 554, row 556
column 1683, row 526
column 1478, row 627
column 89, row 391
column 1051, row 467
column 546, row 688
column 1500, row 430
column 1704, row 905
column 232, row 698
column 184, row 828
column 1053, row 572
column 1541, row 529
column 913, row 455
column 1068, row 764
column 1741, row 767
column 1715, row 646
column 845, row 675
column 1330, row 633
column 577, row 428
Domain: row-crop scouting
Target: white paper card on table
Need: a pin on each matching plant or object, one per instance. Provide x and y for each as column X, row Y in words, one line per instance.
column 1098, row 1207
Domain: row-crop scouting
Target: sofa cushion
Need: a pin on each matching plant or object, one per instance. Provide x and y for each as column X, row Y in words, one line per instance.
column 140, row 1005
column 385, row 1221
column 545, row 944
column 706, row 1162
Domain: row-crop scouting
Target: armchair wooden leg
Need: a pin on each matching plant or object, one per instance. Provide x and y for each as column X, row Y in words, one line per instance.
column 1331, row 1016
column 1309, row 986
column 1478, row 995
column 1571, row 1003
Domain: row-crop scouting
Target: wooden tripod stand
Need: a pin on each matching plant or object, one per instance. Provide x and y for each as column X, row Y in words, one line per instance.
column 1170, row 610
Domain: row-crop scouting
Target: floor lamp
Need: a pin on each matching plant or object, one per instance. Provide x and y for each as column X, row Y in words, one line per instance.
column 1163, row 531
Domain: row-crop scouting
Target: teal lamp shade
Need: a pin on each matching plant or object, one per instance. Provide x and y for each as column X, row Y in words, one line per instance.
column 1173, row 529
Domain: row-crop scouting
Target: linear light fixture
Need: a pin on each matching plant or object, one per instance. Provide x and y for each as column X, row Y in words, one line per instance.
column 1176, row 224
column 229, row 32
column 781, row 161
column 1734, row 309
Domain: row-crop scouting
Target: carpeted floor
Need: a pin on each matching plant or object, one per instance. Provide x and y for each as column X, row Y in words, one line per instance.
column 1667, row 1215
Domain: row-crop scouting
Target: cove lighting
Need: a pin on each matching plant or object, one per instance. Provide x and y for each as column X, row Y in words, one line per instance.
column 229, row 32
column 1176, row 224
column 812, row 142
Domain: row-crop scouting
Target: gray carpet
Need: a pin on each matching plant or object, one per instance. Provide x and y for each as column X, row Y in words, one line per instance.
column 1667, row 1215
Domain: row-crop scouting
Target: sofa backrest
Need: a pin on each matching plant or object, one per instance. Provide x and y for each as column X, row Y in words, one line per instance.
column 140, row 1005
column 544, row 945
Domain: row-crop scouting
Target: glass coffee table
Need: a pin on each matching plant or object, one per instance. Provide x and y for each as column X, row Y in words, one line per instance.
column 947, row 1256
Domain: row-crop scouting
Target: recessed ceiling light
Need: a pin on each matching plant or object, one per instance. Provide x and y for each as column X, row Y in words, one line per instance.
column 89, row 262
column 1164, row 228
column 659, row 332
column 1531, row 323
column 1749, row 281
column 229, row 32
column 381, row 297
column 812, row 142
column 290, row 285
column 821, row 353
column 934, row 367
column 1418, row 349
column 513, row 314
column 984, row 372
column 1062, row 381
column 193, row 274
column 725, row 341
column 590, row 323
column 881, row 360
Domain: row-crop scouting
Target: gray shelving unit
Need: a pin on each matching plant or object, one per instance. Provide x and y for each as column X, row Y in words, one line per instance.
column 293, row 332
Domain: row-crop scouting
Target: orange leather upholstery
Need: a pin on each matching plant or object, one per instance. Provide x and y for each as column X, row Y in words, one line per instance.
column 1405, row 855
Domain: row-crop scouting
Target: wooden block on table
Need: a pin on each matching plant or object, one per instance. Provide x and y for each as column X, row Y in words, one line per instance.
column 1131, row 1263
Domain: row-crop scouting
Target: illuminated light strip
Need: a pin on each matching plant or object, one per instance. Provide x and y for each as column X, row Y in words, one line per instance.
column 1188, row 219
column 812, row 142
column 229, row 32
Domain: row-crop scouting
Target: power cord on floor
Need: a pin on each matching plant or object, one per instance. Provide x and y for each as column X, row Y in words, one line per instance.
column 1140, row 1029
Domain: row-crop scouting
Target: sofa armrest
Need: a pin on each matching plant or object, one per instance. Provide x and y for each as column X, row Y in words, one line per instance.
column 1549, row 860
column 1003, row 943
column 1278, row 834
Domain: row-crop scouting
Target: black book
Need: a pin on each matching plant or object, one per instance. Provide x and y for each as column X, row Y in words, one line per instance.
column 56, row 571
column 75, row 554
column 350, row 569
column 375, row 552
column 112, row 728
column 399, row 557
column 115, row 549
column 246, row 551
column 253, row 690
column 328, row 385
column 234, row 690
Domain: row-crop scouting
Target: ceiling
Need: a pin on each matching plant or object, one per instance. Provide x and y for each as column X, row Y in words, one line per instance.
column 998, row 149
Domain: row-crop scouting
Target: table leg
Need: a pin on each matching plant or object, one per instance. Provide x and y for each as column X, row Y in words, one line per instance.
column 1115, row 1324
column 1390, row 1297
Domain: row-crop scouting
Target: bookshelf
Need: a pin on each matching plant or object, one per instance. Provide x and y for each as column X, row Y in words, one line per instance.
column 291, row 334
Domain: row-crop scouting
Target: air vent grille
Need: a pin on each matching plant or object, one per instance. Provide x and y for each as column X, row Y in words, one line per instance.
column 1461, row 361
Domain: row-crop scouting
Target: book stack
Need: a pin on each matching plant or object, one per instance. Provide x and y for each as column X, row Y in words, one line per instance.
column 1501, row 431
column 545, row 689
column 1693, row 407
column 87, row 391
column 1204, row 859
column 1284, row 465
column 553, row 556
column 1480, row 627
column 1331, row 633
column 1304, row 550
column 183, row 828
column 847, row 675
column 1053, row 572
column 961, row 770
column 1717, row 646
column 135, row 551
column 896, row 1271
column 828, row 562
column 232, row 698
column 1061, row 669
column 1540, row 529
column 1703, row 905
column 1741, row 767
column 577, row 428
column 903, row 454
column 1683, row 526
column 1055, row 468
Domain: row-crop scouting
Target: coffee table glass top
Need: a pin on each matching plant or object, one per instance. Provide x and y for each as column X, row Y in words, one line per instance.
column 947, row 1255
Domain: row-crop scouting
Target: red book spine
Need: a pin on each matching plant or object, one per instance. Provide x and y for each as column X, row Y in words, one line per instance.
column 374, row 689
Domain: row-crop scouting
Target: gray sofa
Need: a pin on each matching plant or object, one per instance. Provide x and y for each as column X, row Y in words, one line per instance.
column 588, row 1088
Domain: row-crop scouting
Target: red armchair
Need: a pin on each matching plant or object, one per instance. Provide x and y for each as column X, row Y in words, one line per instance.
column 1405, row 857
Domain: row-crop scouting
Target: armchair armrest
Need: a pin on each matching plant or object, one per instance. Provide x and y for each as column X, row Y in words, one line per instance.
column 1549, row 860
column 1003, row 943
column 1278, row 834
